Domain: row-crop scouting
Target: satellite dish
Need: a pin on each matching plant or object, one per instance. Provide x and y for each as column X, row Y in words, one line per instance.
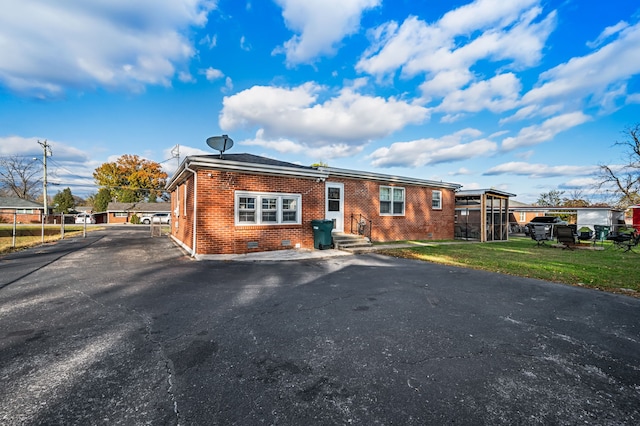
column 220, row 143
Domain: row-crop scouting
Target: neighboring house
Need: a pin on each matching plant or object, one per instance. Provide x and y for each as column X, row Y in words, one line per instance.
column 580, row 216
column 25, row 211
column 122, row 212
column 244, row 203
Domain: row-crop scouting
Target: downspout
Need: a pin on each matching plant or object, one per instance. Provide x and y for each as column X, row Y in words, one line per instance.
column 195, row 207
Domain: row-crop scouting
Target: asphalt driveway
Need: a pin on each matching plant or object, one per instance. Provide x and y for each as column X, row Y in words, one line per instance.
column 122, row 328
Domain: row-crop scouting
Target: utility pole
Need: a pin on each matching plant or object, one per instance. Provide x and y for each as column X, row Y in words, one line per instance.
column 47, row 153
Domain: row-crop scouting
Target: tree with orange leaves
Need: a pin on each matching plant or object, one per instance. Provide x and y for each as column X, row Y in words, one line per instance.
column 131, row 178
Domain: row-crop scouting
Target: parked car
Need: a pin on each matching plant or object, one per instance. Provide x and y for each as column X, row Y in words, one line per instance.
column 549, row 223
column 162, row 218
column 85, row 218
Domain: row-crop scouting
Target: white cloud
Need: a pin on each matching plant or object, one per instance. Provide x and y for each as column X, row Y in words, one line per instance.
column 320, row 25
column 497, row 94
column 539, row 170
column 18, row 145
column 544, row 132
column 461, row 172
column 461, row 145
column 244, row 45
column 287, row 146
column 62, row 45
column 495, row 30
column 228, row 85
column 608, row 32
column 592, row 76
column 209, row 41
column 212, row 74
column 580, row 183
column 186, row 77
column 295, row 113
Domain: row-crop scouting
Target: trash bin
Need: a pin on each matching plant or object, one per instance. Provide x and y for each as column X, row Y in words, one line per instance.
column 322, row 233
column 601, row 232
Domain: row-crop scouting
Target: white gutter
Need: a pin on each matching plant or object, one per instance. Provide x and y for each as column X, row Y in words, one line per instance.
column 254, row 168
column 356, row 174
column 195, row 208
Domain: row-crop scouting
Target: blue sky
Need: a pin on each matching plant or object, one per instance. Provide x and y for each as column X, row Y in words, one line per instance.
column 525, row 96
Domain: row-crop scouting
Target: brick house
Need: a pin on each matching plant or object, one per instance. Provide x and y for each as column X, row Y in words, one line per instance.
column 25, row 211
column 123, row 212
column 243, row 203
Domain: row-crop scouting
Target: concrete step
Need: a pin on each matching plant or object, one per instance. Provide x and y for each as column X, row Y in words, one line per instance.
column 350, row 242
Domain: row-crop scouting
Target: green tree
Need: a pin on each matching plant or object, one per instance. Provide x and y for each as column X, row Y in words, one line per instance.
column 131, row 178
column 63, row 201
column 101, row 200
column 551, row 198
column 624, row 179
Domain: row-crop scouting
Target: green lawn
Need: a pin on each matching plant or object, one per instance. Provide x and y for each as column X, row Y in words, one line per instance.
column 610, row 269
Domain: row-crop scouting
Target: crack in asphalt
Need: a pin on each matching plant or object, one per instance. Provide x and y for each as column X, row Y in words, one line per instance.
column 168, row 364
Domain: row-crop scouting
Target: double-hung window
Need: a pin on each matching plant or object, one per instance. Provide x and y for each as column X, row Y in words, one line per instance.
column 262, row 208
column 391, row 201
column 436, row 200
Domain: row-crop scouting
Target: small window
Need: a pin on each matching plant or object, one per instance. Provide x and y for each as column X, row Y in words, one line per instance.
column 247, row 210
column 333, row 198
column 436, row 200
column 269, row 210
column 289, row 210
column 120, row 214
column 391, row 201
column 523, row 216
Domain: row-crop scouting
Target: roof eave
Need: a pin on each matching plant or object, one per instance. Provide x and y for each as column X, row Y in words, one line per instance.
column 198, row 163
column 356, row 174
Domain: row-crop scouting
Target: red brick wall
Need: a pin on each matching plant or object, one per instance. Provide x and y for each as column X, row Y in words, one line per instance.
column 218, row 234
column 112, row 218
column 419, row 222
column 181, row 218
column 6, row 216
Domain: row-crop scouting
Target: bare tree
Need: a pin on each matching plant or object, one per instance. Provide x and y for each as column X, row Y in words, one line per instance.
column 20, row 177
column 625, row 178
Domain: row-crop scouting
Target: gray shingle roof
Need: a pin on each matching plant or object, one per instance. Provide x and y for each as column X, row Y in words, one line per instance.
column 139, row 207
column 255, row 159
column 18, row 203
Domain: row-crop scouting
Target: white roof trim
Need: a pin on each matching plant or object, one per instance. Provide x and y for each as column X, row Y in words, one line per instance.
column 332, row 171
column 244, row 167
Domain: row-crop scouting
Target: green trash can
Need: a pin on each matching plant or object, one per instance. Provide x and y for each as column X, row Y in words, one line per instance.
column 322, row 233
column 601, row 232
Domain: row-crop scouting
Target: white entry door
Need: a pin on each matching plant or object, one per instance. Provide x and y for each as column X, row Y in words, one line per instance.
column 335, row 204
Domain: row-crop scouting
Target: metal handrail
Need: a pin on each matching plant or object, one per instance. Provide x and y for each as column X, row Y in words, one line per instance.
column 361, row 225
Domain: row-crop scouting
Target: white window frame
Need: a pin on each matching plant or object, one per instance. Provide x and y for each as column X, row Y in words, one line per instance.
column 259, row 196
column 120, row 214
column 392, row 200
column 437, row 206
